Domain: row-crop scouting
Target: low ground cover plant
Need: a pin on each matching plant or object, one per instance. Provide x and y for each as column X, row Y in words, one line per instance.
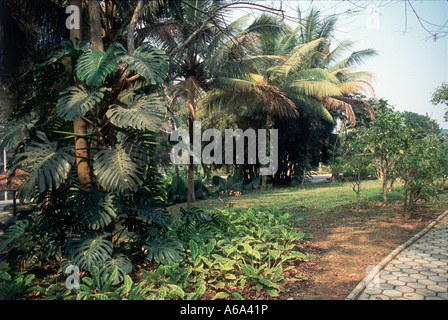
column 223, row 254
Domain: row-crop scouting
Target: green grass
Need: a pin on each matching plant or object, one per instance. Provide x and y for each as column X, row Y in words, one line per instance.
column 320, row 202
column 315, row 199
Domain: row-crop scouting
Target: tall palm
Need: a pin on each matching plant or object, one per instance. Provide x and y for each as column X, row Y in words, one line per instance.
column 190, row 52
column 291, row 73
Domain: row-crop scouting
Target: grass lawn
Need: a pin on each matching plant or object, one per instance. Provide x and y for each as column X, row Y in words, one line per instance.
column 346, row 240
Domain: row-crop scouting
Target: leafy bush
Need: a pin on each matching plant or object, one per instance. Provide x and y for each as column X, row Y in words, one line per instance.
column 12, row 285
column 224, row 250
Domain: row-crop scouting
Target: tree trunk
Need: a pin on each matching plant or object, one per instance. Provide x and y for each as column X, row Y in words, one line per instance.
column 80, row 127
column 358, row 198
column 384, row 188
column 132, row 25
column 192, row 87
column 268, row 147
column 95, row 25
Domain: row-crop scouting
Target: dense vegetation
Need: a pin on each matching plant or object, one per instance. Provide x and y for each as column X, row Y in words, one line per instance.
column 90, row 125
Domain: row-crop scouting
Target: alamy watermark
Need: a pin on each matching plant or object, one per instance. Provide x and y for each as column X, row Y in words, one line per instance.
column 72, row 281
column 213, row 152
column 74, row 19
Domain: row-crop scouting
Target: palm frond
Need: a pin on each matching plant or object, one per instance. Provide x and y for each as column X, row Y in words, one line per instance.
column 315, row 88
column 312, row 106
column 341, row 105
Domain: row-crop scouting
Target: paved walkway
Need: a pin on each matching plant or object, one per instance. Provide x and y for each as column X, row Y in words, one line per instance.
column 416, row 270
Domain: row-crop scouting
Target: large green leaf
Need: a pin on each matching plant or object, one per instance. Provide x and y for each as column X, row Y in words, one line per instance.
column 163, row 249
column 46, row 164
column 121, row 169
column 66, row 49
column 86, row 251
column 75, row 102
column 95, row 208
column 123, row 265
column 148, row 61
column 142, row 113
column 15, row 131
column 152, row 211
column 14, row 232
column 94, row 66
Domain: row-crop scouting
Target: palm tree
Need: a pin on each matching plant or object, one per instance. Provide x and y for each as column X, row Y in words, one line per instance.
column 190, row 52
column 288, row 74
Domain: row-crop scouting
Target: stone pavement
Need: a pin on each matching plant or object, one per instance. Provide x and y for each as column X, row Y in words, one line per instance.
column 416, row 270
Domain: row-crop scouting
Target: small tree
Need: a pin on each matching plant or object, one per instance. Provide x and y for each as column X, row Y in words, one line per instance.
column 356, row 161
column 419, row 172
column 385, row 139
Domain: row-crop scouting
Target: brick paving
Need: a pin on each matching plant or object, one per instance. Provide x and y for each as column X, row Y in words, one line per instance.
column 417, row 270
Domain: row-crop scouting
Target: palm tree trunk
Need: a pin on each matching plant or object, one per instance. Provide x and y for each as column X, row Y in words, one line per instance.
column 132, row 25
column 80, row 127
column 192, row 117
column 268, row 146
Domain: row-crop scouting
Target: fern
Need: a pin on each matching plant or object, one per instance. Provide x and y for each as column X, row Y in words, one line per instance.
column 94, row 66
column 142, row 113
column 86, row 251
column 75, row 102
column 46, row 164
column 121, row 169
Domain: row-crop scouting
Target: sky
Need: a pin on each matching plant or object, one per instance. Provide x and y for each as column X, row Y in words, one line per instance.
column 410, row 65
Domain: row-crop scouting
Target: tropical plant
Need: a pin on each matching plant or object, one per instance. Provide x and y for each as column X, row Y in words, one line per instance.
column 12, row 285
column 89, row 194
column 285, row 73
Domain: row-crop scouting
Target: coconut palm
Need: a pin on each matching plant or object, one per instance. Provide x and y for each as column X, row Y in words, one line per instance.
column 193, row 55
column 288, row 74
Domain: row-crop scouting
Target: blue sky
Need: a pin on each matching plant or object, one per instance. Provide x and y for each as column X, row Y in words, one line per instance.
column 410, row 64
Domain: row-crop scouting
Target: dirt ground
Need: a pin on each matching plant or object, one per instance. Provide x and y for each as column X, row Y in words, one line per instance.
column 344, row 251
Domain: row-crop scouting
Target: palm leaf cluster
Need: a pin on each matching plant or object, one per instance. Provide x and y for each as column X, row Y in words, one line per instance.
column 273, row 76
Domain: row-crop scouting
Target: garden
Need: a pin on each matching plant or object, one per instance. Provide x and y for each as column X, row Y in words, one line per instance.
column 103, row 213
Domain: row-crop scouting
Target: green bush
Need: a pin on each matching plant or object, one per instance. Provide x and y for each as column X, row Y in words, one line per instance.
column 224, row 250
